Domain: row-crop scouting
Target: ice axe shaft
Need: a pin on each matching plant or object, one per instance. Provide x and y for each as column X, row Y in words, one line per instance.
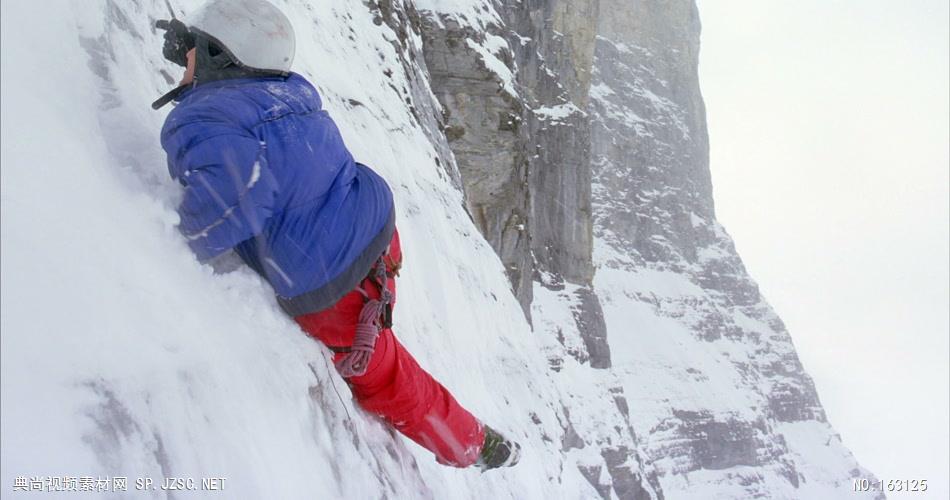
column 169, row 96
column 170, row 9
column 173, row 93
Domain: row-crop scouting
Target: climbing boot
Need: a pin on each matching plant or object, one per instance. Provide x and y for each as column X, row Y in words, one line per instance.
column 497, row 451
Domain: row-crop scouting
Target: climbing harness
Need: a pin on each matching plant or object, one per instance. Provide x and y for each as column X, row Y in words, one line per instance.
column 376, row 315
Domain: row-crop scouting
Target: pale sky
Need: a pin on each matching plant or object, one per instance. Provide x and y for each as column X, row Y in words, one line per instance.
column 829, row 132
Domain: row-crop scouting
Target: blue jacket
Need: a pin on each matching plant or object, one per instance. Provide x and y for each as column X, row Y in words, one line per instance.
column 266, row 173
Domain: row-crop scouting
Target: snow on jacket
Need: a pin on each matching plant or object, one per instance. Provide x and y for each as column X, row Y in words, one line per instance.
column 266, row 173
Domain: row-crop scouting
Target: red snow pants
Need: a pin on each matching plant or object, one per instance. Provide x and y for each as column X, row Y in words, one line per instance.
column 394, row 386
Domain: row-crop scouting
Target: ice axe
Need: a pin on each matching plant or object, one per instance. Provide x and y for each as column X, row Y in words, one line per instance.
column 178, row 41
column 170, row 9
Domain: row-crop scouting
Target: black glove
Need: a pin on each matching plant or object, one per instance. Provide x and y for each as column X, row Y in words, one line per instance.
column 178, row 41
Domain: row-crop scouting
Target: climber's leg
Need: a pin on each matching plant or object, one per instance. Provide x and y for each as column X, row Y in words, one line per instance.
column 394, row 386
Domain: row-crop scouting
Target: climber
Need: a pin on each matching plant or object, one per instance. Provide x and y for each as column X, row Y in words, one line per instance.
column 267, row 176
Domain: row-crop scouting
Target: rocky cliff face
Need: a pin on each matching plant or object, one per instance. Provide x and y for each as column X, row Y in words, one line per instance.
column 515, row 87
column 580, row 135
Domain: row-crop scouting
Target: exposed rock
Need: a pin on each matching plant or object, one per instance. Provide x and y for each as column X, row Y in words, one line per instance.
column 593, row 473
column 625, row 477
column 482, row 122
column 570, row 439
column 553, row 45
column 589, row 318
column 524, row 137
column 406, row 22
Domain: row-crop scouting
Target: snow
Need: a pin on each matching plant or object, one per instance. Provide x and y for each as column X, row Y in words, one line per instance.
column 696, row 220
column 494, row 64
column 823, row 453
column 478, row 14
column 660, row 108
column 600, row 90
column 660, row 353
column 557, row 113
column 652, row 316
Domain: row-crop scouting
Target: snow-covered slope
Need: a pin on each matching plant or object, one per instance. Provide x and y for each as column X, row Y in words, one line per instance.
column 122, row 356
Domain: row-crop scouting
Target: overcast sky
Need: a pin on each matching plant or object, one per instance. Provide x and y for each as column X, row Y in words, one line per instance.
column 829, row 134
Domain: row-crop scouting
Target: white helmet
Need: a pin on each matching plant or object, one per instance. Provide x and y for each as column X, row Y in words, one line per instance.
column 254, row 33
